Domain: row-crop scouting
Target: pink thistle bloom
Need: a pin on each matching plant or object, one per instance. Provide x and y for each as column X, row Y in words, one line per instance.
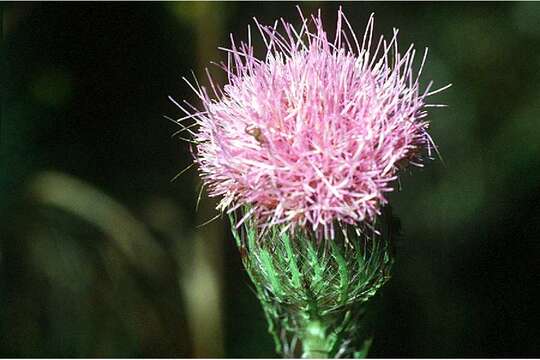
column 314, row 133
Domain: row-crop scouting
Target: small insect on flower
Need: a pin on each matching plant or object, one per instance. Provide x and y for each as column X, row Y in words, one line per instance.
column 256, row 132
column 314, row 132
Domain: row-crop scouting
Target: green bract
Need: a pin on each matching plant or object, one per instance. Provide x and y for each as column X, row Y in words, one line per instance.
column 315, row 290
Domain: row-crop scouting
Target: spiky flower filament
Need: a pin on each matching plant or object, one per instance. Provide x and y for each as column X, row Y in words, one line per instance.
column 314, row 133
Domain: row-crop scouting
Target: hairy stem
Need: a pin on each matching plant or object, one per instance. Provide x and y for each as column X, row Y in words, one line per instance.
column 314, row 342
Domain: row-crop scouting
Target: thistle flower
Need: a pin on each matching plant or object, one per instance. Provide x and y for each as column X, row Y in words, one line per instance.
column 307, row 140
column 314, row 133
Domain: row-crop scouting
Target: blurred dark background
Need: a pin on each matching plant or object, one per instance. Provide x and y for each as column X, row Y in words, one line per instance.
column 99, row 251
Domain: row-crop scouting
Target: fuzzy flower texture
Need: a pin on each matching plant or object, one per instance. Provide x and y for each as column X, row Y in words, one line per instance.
column 314, row 133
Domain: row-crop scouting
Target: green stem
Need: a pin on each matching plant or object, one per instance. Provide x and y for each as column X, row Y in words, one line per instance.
column 314, row 342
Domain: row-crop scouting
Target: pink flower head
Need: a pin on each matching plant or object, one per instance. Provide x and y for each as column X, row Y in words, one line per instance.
column 315, row 132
